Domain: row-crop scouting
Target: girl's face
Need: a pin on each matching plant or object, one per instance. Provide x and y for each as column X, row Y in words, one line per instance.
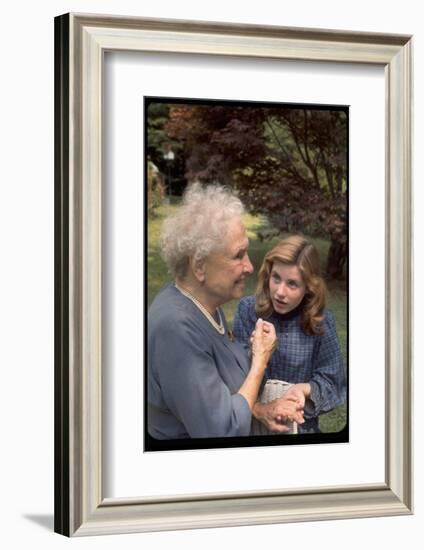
column 286, row 287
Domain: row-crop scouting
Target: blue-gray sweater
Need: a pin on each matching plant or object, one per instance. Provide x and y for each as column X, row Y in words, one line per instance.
column 194, row 373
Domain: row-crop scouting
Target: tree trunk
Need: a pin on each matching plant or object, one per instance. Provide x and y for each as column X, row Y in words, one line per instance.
column 336, row 260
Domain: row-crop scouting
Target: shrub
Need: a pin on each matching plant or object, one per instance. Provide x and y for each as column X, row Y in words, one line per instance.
column 155, row 188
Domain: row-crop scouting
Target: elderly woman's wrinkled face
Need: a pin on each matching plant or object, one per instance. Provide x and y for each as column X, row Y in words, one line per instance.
column 225, row 272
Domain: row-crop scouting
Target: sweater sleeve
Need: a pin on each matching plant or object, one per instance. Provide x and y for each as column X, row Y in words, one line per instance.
column 328, row 382
column 192, row 387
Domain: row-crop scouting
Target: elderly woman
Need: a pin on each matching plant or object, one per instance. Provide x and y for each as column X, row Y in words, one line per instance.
column 200, row 382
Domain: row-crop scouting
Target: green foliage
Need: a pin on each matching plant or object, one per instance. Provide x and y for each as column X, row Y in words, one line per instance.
column 155, row 188
column 157, row 117
column 289, row 164
column 157, row 273
column 333, row 421
column 160, row 144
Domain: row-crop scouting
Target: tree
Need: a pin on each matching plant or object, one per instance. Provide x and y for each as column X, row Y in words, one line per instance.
column 155, row 188
column 159, row 144
column 287, row 163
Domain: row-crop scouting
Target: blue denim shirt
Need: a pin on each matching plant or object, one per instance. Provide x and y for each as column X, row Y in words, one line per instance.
column 300, row 357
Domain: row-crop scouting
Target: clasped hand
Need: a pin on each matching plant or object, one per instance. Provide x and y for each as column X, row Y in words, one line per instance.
column 274, row 415
column 287, row 408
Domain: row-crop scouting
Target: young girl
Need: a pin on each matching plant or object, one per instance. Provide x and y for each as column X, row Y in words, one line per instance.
column 291, row 294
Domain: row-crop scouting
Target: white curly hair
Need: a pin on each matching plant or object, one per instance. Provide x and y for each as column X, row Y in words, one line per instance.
column 199, row 226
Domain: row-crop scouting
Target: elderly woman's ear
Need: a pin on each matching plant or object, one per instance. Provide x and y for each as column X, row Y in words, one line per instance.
column 198, row 268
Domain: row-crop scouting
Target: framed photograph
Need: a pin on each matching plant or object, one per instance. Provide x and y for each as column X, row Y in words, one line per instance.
column 116, row 81
column 289, row 165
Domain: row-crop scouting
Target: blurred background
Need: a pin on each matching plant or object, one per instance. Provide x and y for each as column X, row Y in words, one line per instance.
column 289, row 165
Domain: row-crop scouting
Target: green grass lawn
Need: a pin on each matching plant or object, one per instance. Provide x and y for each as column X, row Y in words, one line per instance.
column 158, row 276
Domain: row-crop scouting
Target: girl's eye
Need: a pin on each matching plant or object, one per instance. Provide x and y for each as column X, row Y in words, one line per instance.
column 275, row 278
column 293, row 284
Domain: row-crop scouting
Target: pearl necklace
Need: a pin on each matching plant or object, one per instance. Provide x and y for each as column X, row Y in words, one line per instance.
column 217, row 326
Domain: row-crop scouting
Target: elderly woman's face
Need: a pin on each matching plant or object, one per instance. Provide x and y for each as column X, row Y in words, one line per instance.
column 226, row 271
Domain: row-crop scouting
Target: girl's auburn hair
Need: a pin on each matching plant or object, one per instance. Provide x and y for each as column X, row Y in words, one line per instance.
column 298, row 251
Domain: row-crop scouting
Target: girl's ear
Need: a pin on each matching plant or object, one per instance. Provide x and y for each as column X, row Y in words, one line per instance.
column 198, row 268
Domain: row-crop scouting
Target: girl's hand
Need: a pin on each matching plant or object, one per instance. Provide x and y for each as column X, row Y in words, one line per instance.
column 296, row 393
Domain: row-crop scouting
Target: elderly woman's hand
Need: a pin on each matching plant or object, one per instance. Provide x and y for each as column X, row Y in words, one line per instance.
column 274, row 415
column 263, row 343
column 263, row 340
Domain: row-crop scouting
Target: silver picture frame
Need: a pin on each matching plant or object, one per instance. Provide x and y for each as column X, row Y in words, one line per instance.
column 81, row 508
